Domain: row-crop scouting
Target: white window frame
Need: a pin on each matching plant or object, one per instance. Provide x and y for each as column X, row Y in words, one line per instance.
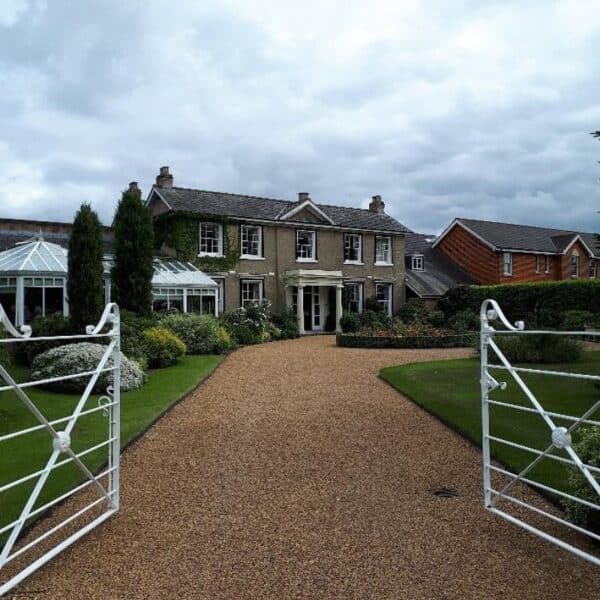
column 593, row 268
column 219, row 227
column 385, row 303
column 245, row 255
column 313, row 254
column 388, row 261
column 538, row 263
column 507, row 262
column 245, row 282
column 220, row 281
column 575, row 262
column 546, row 264
column 417, row 262
column 357, row 285
column 348, row 246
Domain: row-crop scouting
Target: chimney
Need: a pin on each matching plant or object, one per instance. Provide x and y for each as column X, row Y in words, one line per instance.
column 377, row 205
column 164, row 179
column 133, row 187
column 303, row 196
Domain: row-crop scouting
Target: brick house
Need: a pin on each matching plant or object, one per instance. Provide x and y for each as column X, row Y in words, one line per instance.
column 494, row 253
column 316, row 259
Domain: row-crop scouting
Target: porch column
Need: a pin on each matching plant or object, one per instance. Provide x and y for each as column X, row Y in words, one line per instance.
column 185, row 301
column 338, row 308
column 20, row 302
column 300, row 310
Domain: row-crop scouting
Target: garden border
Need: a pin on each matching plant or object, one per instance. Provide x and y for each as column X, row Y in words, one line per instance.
column 357, row 340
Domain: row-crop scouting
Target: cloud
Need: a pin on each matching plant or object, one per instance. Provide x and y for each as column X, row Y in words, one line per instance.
column 445, row 109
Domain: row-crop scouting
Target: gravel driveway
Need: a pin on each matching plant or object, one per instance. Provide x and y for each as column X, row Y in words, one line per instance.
column 294, row 472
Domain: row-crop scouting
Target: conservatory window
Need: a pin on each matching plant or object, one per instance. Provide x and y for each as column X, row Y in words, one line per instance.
column 167, row 299
column 251, row 241
column 44, row 296
column 383, row 250
column 211, row 239
column 251, row 291
column 201, row 301
column 383, row 294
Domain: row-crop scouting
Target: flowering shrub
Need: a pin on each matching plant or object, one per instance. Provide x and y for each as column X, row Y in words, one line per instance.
column 77, row 358
column 164, row 347
column 200, row 333
column 250, row 324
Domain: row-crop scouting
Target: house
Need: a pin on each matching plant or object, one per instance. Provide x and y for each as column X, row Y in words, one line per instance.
column 429, row 272
column 493, row 253
column 314, row 258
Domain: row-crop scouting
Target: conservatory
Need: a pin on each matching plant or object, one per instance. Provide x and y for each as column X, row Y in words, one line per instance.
column 33, row 281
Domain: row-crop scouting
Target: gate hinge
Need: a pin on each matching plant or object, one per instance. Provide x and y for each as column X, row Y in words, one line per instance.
column 491, row 384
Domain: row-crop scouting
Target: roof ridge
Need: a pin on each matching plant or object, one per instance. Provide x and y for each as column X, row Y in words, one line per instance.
column 178, row 187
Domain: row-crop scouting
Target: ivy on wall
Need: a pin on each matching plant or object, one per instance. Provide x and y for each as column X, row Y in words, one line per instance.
column 180, row 231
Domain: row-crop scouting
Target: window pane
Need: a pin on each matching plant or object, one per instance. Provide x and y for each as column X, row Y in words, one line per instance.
column 34, row 302
column 210, row 238
column 305, row 244
column 352, row 292
column 251, row 292
column 251, row 245
column 383, row 250
column 54, row 301
column 352, row 247
column 383, row 294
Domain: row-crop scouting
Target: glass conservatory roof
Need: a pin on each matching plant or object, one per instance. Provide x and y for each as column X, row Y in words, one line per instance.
column 169, row 273
column 35, row 255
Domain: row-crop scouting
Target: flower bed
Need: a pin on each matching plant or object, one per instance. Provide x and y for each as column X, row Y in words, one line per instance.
column 388, row 340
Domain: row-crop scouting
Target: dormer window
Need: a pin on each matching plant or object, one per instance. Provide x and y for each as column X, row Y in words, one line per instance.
column 417, row 262
column 211, row 239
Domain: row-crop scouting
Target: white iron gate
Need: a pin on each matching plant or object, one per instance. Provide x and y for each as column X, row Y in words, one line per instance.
column 15, row 541
column 502, row 493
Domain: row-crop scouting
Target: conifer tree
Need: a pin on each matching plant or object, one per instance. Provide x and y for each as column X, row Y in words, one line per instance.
column 85, row 284
column 134, row 250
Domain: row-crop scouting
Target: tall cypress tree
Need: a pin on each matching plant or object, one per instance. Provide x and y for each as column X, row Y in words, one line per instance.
column 134, row 249
column 85, row 284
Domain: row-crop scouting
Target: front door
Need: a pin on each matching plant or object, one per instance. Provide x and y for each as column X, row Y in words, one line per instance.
column 313, row 308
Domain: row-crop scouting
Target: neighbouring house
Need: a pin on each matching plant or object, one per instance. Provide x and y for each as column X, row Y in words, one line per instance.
column 429, row 272
column 33, row 281
column 493, row 253
column 316, row 259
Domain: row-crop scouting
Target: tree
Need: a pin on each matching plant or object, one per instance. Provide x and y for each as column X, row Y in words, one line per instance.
column 596, row 134
column 85, row 284
column 134, row 249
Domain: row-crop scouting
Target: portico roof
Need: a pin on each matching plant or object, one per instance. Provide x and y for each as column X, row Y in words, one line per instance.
column 313, row 277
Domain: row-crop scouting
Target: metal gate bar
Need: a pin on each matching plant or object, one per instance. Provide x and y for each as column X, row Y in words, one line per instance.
column 110, row 406
column 559, row 436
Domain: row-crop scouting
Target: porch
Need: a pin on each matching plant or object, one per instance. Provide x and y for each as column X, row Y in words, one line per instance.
column 316, row 298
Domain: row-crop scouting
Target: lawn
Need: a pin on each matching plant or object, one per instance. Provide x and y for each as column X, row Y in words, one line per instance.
column 29, row 453
column 450, row 390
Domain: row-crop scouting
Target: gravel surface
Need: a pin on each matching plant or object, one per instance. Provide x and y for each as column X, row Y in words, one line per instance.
column 294, row 472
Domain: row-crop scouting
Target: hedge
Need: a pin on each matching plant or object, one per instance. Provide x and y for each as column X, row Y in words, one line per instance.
column 543, row 304
column 358, row 340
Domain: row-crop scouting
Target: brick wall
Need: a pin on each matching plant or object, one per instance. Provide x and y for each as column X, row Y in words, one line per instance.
column 472, row 255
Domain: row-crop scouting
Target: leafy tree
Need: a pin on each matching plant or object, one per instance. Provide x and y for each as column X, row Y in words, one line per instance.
column 134, row 245
column 85, row 284
column 596, row 134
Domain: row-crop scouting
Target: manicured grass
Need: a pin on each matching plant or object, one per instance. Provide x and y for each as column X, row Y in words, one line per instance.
column 450, row 390
column 30, row 452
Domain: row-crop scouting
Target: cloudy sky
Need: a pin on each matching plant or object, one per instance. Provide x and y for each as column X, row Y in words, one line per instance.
column 445, row 108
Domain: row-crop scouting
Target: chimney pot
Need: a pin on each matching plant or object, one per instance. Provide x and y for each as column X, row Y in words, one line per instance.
column 133, row 187
column 303, row 196
column 164, row 179
column 377, row 205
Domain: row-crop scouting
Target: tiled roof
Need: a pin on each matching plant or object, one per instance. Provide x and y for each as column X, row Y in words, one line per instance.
column 269, row 209
column 526, row 237
column 439, row 272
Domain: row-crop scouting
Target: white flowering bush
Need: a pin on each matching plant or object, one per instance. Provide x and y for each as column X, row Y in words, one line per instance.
column 77, row 358
column 250, row 324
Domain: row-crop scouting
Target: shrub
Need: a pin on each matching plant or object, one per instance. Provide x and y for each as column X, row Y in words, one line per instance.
column 436, row 318
column 163, row 346
column 50, row 326
column 373, row 305
column 413, row 310
column 577, row 320
column 77, row 358
column 539, row 348
column 542, row 304
column 370, row 319
column 350, row 322
column 245, row 335
column 464, row 321
column 249, row 324
column 199, row 332
column 287, row 323
column 224, row 341
column 133, row 342
column 360, row 340
column 588, row 449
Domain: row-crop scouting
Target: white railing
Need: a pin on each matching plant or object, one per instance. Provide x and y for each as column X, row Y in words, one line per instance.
column 497, row 498
column 14, row 541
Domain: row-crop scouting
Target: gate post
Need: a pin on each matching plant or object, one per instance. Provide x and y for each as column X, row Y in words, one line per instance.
column 115, row 415
column 485, row 415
